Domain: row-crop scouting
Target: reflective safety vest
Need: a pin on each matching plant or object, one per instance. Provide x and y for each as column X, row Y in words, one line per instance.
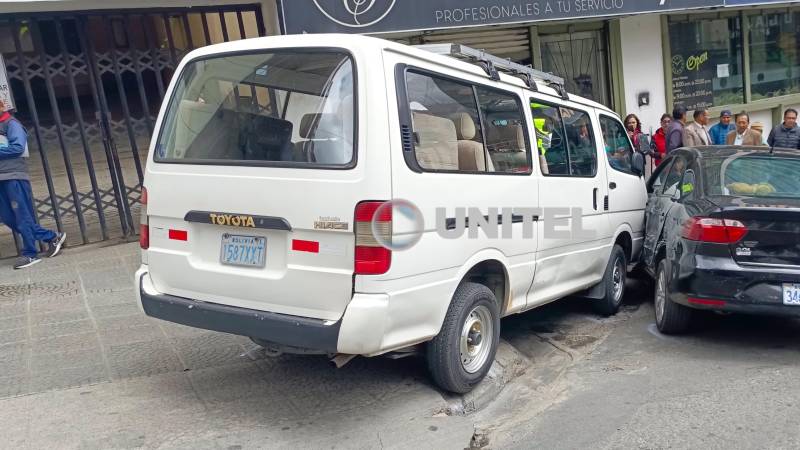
column 541, row 135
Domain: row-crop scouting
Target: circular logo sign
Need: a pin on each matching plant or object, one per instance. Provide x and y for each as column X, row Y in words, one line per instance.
column 678, row 64
column 355, row 13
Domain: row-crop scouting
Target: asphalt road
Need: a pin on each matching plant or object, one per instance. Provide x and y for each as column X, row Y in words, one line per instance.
column 731, row 383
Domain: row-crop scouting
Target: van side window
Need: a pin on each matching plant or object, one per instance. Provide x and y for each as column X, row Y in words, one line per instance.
column 460, row 127
column 444, row 116
column 564, row 140
column 505, row 135
column 617, row 144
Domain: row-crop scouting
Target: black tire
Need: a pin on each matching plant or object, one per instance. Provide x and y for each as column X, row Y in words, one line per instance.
column 444, row 353
column 614, row 280
column 674, row 318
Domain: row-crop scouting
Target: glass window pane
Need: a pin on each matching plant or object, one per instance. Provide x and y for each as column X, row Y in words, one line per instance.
column 505, row 138
column 760, row 177
column 617, row 144
column 706, row 62
column 581, row 143
column 550, row 141
column 216, row 113
column 447, row 133
column 774, row 60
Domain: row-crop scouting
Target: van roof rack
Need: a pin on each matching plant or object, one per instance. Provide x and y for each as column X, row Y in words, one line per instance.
column 494, row 64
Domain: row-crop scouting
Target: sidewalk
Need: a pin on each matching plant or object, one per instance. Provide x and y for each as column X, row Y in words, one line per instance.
column 82, row 367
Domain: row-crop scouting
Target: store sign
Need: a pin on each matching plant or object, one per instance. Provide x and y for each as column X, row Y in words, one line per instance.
column 382, row 16
column 751, row 2
column 5, row 88
column 692, row 80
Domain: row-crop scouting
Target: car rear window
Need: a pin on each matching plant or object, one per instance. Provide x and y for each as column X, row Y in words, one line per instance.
column 756, row 176
column 288, row 108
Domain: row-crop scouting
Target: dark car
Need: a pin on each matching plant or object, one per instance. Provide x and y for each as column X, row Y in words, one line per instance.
column 723, row 233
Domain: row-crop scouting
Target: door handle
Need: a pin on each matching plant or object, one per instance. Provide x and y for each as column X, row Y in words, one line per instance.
column 612, row 185
column 594, row 198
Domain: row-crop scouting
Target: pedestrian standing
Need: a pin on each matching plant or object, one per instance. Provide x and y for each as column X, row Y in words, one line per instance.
column 696, row 133
column 787, row 134
column 743, row 135
column 16, row 205
column 720, row 131
column 634, row 128
column 675, row 132
column 659, row 143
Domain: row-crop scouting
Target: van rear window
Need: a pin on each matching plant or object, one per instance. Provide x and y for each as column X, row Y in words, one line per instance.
column 284, row 108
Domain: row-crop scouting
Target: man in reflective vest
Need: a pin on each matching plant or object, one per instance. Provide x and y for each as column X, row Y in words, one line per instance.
column 16, row 206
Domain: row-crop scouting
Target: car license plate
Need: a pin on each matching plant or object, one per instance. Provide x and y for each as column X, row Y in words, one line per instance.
column 791, row 294
column 247, row 251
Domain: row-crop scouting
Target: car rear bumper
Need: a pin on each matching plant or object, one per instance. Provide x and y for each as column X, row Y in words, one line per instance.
column 360, row 331
column 706, row 282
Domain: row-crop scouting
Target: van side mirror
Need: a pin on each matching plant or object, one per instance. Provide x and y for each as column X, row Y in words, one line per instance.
column 637, row 163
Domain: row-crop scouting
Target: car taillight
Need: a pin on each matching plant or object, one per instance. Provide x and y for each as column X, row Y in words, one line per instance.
column 371, row 258
column 707, row 229
column 144, row 225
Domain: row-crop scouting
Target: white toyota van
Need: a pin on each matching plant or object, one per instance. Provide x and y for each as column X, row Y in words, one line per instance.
column 318, row 194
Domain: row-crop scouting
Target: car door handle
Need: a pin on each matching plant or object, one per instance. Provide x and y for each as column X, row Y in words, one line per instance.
column 594, row 198
column 612, row 185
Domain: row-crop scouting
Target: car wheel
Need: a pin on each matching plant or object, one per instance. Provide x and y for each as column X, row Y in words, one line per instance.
column 671, row 317
column 463, row 351
column 614, row 279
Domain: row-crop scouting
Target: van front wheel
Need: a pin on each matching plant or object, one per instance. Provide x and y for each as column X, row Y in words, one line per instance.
column 614, row 279
column 463, row 351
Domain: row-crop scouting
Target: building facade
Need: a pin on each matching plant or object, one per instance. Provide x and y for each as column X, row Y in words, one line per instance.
column 636, row 56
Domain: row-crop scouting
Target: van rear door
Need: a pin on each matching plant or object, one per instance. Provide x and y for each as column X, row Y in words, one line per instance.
column 254, row 182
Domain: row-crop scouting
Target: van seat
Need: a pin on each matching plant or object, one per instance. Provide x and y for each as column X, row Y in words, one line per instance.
column 194, row 116
column 437, row 143
column 471, row 156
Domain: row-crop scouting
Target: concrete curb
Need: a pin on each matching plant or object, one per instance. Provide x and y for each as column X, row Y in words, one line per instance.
column 508, row 365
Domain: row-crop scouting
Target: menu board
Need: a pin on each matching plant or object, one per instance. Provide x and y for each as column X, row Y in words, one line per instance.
column 693, row 80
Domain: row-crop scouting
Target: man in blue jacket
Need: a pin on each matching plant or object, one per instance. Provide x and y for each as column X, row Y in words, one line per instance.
column 16, row 207
column 719, row 132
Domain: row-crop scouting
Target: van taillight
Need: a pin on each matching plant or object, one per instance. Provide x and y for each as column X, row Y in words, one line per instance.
column 371, row 258
column 718, row 231
column 144, row 226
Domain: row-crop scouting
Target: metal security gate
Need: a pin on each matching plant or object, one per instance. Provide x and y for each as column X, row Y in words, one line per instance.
column 582, row 59
column 88, row 87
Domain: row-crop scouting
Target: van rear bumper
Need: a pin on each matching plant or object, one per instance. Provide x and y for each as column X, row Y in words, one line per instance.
column 293, row 331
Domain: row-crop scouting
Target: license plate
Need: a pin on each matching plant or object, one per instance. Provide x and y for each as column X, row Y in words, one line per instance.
column 247, row 251
column 791, row 294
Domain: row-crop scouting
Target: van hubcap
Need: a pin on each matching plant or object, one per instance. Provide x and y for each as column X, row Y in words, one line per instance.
column 618, row 281
column 476, row 339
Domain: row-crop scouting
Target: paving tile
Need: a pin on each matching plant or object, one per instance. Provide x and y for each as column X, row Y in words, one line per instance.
column 67, row 315
column 67, row 378
column 12, row 336
column 71, row 343
column 62, row 329
column 42, row 305
column 142, row 359
column 13, row 322
column 123, row 322
column 46, row 362
column 131, row 335
column 115, row 310
column 12, row 386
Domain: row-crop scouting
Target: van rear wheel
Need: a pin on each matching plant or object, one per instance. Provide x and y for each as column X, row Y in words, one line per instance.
column 462, row 353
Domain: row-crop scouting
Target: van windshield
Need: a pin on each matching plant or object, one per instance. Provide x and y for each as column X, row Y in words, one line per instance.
column 289, row 108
